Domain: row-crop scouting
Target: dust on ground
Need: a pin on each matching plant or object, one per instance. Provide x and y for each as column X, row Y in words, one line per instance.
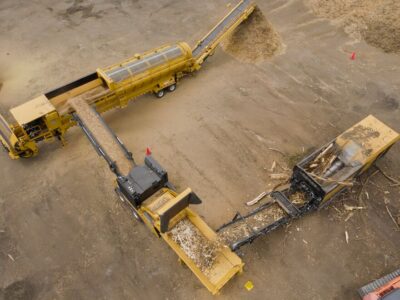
column 101, row 133
column 254, row 40
column 197, row 247
column 377, row 22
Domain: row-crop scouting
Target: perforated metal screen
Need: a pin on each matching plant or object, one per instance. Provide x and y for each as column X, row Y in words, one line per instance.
column 133, row 68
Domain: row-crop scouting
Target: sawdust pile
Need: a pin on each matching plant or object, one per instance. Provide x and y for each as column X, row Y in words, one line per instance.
column 202, row 251
column 375, row 21
column 103, row 136
column 244, row 228
column 254, row 40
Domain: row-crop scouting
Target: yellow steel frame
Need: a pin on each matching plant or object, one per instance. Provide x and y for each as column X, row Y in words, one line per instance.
column 227, row 264
column 374, row 137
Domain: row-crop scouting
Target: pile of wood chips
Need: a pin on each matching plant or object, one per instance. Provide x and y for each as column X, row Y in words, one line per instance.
column 196, row 246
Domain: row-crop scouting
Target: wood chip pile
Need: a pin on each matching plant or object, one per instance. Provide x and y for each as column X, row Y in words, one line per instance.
column 196, row 246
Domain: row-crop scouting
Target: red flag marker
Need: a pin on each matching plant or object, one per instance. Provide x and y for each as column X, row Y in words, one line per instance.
column 353, row 56
column 148, row 151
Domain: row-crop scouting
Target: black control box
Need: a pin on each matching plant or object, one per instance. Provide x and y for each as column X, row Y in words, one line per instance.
column 143, row 181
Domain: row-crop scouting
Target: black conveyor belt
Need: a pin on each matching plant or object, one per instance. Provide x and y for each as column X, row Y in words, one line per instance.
column 221, row 28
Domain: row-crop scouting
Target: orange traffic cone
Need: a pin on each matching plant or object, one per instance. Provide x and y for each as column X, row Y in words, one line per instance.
column 148, row 151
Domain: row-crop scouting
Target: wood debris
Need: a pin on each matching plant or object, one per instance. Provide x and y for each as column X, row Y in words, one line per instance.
column 279, row 176
column 391, row 216
column 351, row 208
column 349, row 216
column 246, row 227
column 273, row 166
column 298, row 198
column 277, row 150
column 196, row 246
column 257, row 199
column 390, row 178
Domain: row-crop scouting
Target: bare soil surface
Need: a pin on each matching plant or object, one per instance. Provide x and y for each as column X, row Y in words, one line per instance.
column 64, row 233
column 376, row 21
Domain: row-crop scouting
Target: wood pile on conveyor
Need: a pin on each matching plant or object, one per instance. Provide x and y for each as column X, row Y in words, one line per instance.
column 246, row 227
column 101, row 133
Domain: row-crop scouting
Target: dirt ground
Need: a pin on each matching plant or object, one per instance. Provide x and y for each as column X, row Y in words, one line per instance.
column 63, row 233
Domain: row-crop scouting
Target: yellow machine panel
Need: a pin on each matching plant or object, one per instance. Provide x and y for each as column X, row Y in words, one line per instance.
column 334, row 166
column 226, row 264
column 371, row 135
column 32, row 110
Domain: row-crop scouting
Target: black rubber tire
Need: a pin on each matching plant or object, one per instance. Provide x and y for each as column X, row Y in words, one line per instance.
column 136, row 216
column 27, row 153
column 160, row 94
column 125, row 201
column 171, row 88
column 120, row 195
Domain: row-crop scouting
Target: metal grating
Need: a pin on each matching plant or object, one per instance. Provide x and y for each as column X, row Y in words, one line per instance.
column 133, row 68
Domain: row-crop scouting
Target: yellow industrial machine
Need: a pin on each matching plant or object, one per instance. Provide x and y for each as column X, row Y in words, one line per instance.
column 146, row 190
column 315, row 180
column 164, row 210
column 49, row 116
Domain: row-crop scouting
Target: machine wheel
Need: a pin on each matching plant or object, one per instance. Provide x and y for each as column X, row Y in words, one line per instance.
column 125, row 201
column 136, row 216
column 160, row 94
column 120, row 195
column 172, row 87
column 27, row 153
